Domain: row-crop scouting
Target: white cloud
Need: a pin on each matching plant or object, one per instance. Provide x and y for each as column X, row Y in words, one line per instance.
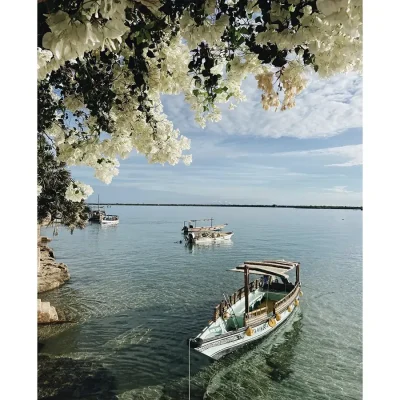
column 325, row 108
column 352, row 152
column 339, row 189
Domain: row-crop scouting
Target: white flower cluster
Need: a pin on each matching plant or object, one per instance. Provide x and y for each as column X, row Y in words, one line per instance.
column 44, row 56
column 172, row 77
column 70, row 37
column 210, row 32
column 78, row 191
column 39, row 189
column 333, row 35
column 159, row 143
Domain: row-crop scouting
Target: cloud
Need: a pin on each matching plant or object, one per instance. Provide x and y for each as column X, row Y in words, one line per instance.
column 351, row 152
column 339, row 189
column 326, row 108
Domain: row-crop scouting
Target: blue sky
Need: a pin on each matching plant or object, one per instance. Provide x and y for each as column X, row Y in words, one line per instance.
column 311, row 154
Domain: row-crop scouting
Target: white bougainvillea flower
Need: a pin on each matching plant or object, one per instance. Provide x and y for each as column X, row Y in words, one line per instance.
column 332, row 35
column 78, row 191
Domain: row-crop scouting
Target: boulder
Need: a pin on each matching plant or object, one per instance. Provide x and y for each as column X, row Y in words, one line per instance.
column 51, row 274
column 45, row 312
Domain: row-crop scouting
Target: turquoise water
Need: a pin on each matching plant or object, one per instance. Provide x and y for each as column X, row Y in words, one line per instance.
column 136, row 294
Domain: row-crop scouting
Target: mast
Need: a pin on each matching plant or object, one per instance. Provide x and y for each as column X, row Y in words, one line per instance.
column 98, row 203
column 246, row 292
column 211, row 221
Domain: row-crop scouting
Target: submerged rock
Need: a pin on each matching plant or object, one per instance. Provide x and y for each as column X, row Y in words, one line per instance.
column 65, row 378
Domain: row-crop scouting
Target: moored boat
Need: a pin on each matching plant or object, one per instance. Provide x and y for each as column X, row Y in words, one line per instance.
column 96, row 215
column 253, row 311
column 110, row 220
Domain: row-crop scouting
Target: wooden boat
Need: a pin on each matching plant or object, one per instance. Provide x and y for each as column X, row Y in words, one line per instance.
column 110, row 220
column 253, row 311
column 201, row 236
column 191, row 226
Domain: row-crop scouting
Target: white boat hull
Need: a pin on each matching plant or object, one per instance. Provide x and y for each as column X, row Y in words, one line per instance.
column 207, row 239
column 223, row 342
column 108, row 223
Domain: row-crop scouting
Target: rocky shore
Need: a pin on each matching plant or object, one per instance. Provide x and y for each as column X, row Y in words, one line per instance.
column 50, row 275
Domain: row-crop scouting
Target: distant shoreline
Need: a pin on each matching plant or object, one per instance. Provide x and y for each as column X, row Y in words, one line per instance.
column 230, row 205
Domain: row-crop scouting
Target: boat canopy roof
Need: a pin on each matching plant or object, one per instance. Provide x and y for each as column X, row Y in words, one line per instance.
column 267, row 267
column 196, row 220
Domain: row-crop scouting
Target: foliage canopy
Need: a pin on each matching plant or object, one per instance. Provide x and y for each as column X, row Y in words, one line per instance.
column 103, row 66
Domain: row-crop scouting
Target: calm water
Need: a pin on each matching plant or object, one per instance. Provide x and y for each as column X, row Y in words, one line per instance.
column 136, row 295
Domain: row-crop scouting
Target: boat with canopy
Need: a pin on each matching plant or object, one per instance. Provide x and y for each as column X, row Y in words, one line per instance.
column 253, row 311
column 191, row 226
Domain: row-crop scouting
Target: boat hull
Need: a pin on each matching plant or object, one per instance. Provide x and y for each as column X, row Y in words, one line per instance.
column 221, row 346
column 108, row 223
column 201, row 240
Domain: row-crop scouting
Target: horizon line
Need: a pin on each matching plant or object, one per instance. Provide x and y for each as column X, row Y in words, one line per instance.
column 227, row 205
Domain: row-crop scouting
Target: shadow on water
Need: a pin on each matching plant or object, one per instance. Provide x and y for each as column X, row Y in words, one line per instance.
column 279, row 367
column 65, row 379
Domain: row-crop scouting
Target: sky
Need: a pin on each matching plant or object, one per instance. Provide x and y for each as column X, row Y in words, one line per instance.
column 309, row 155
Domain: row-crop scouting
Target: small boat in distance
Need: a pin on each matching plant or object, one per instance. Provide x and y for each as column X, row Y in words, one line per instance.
column 191, row 226
column 96, row 215
column 253, row 311
column 110, row 220
column 205, row 236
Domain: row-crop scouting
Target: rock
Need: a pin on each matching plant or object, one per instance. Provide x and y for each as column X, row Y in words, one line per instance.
column 50, row 274
column 45, row 312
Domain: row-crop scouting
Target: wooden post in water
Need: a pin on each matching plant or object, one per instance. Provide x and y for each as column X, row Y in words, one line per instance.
column 246, row 292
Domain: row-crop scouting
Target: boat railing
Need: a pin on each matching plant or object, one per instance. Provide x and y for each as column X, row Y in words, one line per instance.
column 257, row 312
column 223, row 307
column 285, row 302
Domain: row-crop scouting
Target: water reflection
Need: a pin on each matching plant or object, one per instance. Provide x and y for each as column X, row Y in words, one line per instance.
column 199, row 247
column 246, row 373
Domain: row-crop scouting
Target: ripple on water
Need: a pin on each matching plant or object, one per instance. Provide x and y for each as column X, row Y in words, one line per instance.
column 136, row 295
